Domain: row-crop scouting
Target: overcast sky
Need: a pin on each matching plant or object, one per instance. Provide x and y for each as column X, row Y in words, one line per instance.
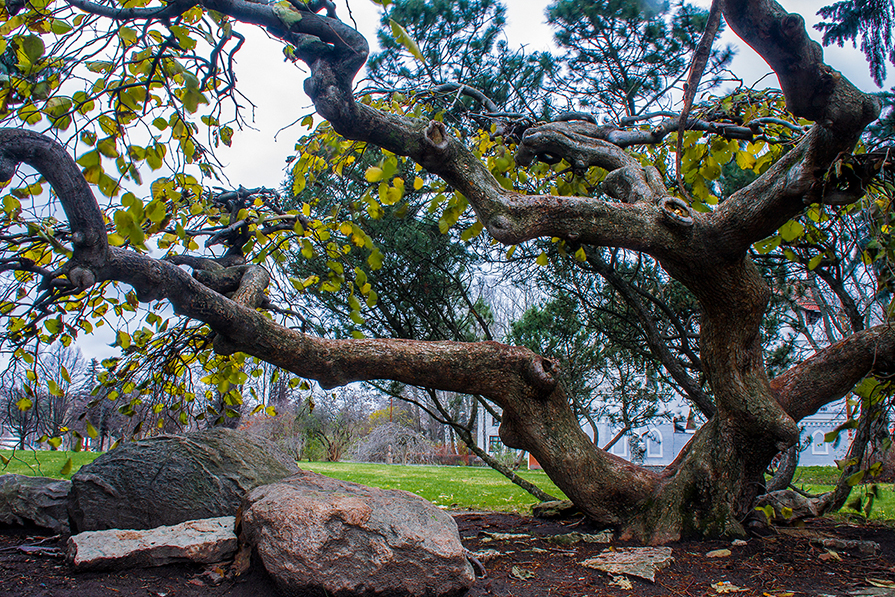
column 257, row 157
column 275, row 86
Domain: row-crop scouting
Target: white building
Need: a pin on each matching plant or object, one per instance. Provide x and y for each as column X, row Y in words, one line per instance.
column 659, row 444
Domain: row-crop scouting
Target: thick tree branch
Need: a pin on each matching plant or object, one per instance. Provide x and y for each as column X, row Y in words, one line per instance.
column 173, row 9
column 833, row 372
column 55, row 165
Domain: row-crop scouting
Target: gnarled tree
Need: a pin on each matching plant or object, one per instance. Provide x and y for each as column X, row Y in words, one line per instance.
column 709, row 489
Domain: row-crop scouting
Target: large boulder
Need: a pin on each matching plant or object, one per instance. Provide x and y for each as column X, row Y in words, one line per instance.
column 321, row 536
column 37, row 501
column 170, row 479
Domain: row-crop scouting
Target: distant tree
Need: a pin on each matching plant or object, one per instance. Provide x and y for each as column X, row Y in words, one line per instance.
column 63, row 369
column 872, row 20
column 622, row 58
column 336, row 420
column 17, row 417
column 392, row 443
column 466, row 63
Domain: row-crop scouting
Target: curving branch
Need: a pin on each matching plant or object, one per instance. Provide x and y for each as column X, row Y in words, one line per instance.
column 832, row 372
column 174, row 9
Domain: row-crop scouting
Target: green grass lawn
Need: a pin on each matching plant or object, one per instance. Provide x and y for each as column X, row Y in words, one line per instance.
column 455, row 487
column 43, row 463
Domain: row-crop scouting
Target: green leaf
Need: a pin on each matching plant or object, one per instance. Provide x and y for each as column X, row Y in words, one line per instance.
column 128, row 36
column 405, row 40
column 288, row 15
column 226, row 134
column 472, row 232
column 123, row 339
column 66, row 468
column 855, row 479
column 108, row 147
column 791, row 231
column 54, row 388
column 375, row 259
column 768, row 511
column 91, row 431
column 542, row 259
column 32, row 47
column 24, row 404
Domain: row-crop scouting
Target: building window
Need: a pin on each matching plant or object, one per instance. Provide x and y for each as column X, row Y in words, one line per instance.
column 620, row 448
column 494, row 421
column 818, row 445
column 653, row 439
column 494, row 443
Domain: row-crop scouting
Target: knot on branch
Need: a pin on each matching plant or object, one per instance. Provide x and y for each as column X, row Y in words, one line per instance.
column 676, row 211
column 222, row 345
column 633, row 184
column 580, row 143
column 542, row 373
column 436, row 135
column 81, row 278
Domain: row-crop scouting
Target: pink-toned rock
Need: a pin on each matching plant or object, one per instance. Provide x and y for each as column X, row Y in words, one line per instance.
column 201, row 541
column 318, row 535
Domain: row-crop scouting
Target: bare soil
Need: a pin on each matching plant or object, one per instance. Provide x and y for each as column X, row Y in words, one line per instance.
column 783, row 563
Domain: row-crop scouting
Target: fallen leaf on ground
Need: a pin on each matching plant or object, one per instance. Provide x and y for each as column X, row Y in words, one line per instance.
column 575, row 537
column 879, row 582
column 718, row 553
column 874, row 592
column 622, row 582
column 485, row 554
column 507, row 537
column 830, row 555
column 727, row 587
column 642, row 562
column 522, row 573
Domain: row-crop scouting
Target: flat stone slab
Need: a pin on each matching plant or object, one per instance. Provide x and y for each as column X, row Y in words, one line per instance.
column 201, row 541
column 642, row 562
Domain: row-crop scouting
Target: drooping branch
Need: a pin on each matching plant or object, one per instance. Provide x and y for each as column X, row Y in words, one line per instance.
column 656, row 345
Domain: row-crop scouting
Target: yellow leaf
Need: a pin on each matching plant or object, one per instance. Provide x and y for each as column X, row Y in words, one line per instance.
column 542, row 259
column 405, row 40
column 373, row 174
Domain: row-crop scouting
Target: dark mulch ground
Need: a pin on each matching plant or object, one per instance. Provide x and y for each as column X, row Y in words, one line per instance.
column 786, row 563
